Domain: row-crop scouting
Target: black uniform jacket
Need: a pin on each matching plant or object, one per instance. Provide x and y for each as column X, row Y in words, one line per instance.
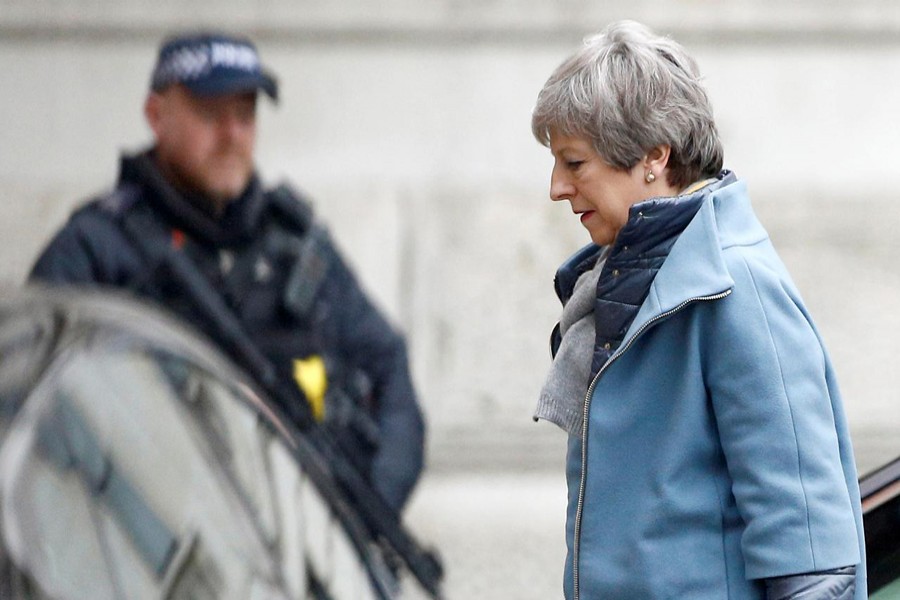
column 281, row 275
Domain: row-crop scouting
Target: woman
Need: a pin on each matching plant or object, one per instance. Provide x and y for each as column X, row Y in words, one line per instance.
column 709, row 455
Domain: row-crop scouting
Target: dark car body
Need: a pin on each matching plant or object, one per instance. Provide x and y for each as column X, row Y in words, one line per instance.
column 880, row 492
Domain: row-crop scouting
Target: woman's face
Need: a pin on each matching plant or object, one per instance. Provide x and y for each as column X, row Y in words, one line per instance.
column 600, row 194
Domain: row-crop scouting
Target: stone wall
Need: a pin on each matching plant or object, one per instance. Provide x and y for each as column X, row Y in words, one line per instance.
column 408, row 124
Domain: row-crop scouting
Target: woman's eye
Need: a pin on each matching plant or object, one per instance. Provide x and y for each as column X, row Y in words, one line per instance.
column 574, row 164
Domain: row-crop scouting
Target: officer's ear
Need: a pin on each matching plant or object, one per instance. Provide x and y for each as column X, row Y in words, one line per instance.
column 153, row 111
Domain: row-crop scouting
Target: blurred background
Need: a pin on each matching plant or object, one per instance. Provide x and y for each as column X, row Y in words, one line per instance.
column 408, row 124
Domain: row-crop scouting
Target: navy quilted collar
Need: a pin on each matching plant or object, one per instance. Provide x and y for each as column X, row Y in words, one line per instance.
column 649, row 223
column 655, row 220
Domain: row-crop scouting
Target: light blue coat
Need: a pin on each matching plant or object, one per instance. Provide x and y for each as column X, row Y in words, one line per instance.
column 716, row 451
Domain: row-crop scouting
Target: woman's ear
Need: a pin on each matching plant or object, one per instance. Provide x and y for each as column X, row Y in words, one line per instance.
column 654, row 165
column 657, row 158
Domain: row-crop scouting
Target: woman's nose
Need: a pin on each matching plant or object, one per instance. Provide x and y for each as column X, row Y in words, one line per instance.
column 560, row 188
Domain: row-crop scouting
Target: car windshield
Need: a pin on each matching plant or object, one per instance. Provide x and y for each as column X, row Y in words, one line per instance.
column 169, row 477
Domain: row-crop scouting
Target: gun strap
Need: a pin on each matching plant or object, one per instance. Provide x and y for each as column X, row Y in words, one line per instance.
column 152, row 241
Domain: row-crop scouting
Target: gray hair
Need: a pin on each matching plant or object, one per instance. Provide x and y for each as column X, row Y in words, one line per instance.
column 628, row 90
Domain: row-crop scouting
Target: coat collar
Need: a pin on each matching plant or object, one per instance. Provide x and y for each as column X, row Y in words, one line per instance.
column 695, row 267
column 238, row 224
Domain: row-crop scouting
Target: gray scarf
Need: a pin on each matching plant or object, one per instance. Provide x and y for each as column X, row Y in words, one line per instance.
column 562, row 397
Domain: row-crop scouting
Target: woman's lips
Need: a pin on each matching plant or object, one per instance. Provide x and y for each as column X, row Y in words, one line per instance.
column 584, row 216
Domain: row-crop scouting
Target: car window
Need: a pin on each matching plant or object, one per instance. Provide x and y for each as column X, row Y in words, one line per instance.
column 172, row 483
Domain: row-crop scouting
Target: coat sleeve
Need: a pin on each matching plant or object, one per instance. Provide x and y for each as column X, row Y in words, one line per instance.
column 767, row 376
column 837, row 584
column 367, row 341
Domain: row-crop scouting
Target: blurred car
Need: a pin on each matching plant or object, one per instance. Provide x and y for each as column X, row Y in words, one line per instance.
column 880, row 492
column 136, row 461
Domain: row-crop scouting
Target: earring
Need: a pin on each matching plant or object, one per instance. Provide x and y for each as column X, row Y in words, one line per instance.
column 650, row 178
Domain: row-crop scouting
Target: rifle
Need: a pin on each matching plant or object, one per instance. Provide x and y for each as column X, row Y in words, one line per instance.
column 380, row 519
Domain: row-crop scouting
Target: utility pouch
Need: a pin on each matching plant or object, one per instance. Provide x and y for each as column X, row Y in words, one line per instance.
column 304, row 244
column 309, row 265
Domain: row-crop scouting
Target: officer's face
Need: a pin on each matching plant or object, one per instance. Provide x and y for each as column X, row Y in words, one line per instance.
column 204, row 144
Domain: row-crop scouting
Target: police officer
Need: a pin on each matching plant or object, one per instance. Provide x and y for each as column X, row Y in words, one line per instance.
column 195, row 191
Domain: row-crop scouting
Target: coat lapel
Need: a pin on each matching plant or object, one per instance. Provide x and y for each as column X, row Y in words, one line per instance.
column 694, row 268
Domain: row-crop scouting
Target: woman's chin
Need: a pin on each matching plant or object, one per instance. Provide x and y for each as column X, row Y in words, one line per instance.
column 601, row 238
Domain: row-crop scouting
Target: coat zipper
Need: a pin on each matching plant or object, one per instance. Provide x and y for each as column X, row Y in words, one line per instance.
column 584, row 424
